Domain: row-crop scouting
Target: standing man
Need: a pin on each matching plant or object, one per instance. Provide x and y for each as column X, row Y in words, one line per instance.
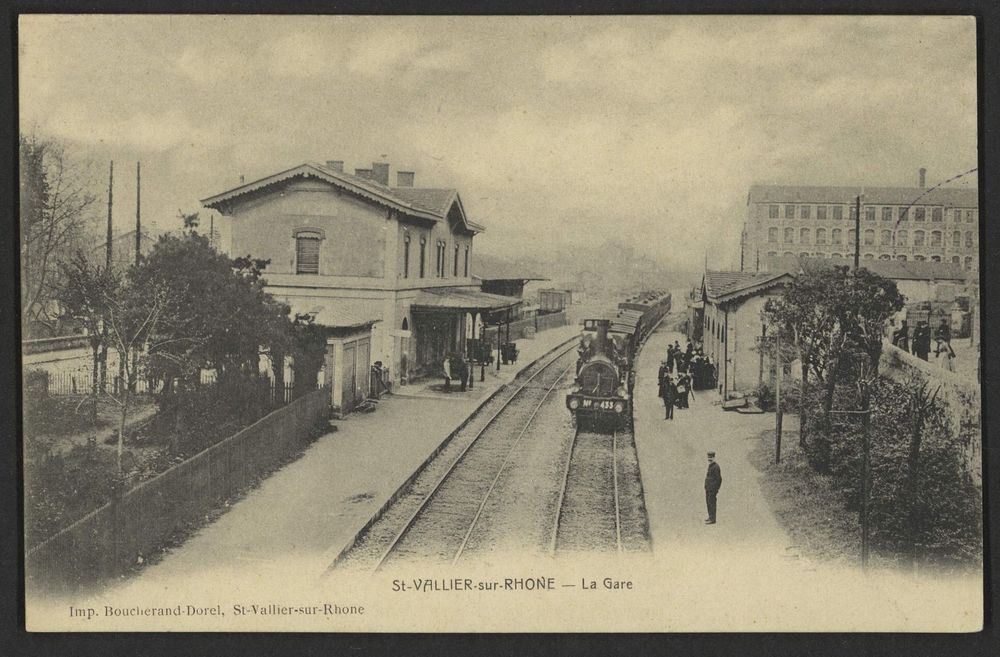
column 713, row 482
column 922, row 341
column 447, row 373
column 901, row 337
column 667, row 395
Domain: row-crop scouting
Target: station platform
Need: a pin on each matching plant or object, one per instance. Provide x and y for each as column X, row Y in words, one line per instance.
column 287, row 531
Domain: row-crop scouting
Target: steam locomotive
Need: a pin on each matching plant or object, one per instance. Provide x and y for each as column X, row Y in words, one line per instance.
column 604, row 374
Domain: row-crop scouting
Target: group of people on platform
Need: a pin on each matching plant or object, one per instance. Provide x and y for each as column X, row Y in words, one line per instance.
column 681, row 372
column 920, row 343
column 456, row 368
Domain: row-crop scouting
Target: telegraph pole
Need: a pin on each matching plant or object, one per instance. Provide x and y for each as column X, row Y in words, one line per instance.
column 857, row 230
column 107, row 264
column 777, row 396
column 138, row 221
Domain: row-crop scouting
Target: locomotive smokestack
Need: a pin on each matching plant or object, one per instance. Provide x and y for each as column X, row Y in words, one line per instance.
column 602, row 336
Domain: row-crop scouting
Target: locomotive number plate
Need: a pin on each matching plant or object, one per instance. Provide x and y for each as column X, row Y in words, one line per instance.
column 606, row 405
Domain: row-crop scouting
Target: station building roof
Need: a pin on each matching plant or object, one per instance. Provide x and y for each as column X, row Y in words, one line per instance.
column 490, row 268
column 465, row 299
column 721, row 287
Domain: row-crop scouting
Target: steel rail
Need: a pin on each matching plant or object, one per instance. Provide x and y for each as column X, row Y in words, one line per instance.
column 618, row 513
column 510, row 452
column 562, row 494
column 409, row 523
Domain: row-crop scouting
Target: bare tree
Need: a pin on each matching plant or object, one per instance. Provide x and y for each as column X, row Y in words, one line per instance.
column 54, row 203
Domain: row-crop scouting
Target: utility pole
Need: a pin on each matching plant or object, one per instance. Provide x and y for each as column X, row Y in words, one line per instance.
column 866, row 472
column 107, row 264
column 777, row 396
column 138, row 221
column 857, row 231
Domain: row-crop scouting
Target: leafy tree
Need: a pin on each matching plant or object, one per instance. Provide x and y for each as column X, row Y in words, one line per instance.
column 84, row 293
column 54, row 203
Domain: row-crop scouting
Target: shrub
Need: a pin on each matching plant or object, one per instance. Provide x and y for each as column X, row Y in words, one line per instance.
column 790, row 396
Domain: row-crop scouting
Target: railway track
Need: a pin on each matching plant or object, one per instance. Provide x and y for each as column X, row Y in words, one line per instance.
column 434, row 520
column 600, row 508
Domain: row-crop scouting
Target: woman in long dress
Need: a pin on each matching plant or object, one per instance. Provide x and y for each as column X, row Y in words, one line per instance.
column 945, row 355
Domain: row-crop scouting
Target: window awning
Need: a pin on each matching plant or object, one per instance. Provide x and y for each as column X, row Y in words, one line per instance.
column 443, row 299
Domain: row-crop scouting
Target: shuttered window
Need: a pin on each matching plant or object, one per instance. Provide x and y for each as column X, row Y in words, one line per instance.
column 307, row 253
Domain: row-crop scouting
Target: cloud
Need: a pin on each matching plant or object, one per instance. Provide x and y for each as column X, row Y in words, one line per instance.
column 154, row 132
column 206, row 64
column 302, row 54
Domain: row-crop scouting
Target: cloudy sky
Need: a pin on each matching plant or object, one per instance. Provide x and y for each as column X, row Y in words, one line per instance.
column 649, row 129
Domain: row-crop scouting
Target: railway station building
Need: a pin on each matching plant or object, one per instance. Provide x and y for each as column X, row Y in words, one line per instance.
column 902, row 224
column 731, row 326
column 387, row 269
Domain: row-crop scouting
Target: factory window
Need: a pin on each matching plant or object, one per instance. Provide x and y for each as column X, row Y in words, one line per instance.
column 886, row 214
column 835, row 236
column 955, row 260
column 406, row 256
column 789, row 235
column 821, row 235
column 921, row 214
column 886, row 238
column 936, row 214
column 868, row 256
column 968, row 238
column 918, row 238
column 772, row 234
column 804, row 211
column 968, row 263
column 869, row 237
column 803, row 254
column 466, row 261
column 836, row 255
column 919, row 258
column 851, row 236
column 935, row 238
column 956, row 239
column 772, row 254
column 870, row 213
column 423, row 255
column 772, row 212
column 456, row 262
column 901, row 258
column 936, row 258
column 838, row 212
column 853, row 212
column 821, row 212
column 789, row 212
column 307, row 252
column 969, row 216
column 804, row 236
column 901, row 237
column 904, row 214
column 788, row 254
column 957, row 216
column 885, row 256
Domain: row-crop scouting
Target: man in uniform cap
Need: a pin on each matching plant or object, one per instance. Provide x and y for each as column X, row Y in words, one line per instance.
column 713, row 482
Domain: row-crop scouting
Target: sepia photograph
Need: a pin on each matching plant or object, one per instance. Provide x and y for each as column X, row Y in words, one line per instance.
column 445, row 324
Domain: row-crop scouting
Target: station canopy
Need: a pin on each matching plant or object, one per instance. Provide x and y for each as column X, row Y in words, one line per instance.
column 455, row 299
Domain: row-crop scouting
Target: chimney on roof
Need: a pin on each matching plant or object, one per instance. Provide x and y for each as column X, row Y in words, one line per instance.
column 336, row 165
column 380, row 172
column 363, row 173
column 923, row 177
column 404, row 178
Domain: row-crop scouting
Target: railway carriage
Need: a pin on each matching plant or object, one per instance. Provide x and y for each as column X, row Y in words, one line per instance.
column 605, row 376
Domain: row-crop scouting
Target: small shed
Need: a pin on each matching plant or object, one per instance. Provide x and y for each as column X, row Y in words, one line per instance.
column 347, row 368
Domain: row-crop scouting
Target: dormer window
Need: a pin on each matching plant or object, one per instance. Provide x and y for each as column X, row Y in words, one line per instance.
column 307, row 244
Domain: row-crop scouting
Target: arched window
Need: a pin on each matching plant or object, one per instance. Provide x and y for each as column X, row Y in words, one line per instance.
column 919, row 258
column 455, row 272
column 821, row 235
column 968, row 263
column 901, row 237
column 868, row 256
column 406, row 325
column 804, row 233
column 935, row 238
column 886, row 238
column 466, row 260
column 836, row 255
column 772, row 254
column 406, row 256
column 935, row 258
column 772, row 234
column 423, row 256
column 850, row 236
column 788, row 253
column 307, row 251
column 968, row 239
column 789, row 235
column 885, row 256
column 956, row 239
column 835, row 236
column 918, row 238
column 869, row 237
column 901, row 258
column 955, row 260
column 803, row 254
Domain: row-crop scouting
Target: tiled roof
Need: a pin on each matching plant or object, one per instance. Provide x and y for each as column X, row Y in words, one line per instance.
column 963, row 197
column 413, row 201
column 453, row 298
column 722, row 286
column 490, row 268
